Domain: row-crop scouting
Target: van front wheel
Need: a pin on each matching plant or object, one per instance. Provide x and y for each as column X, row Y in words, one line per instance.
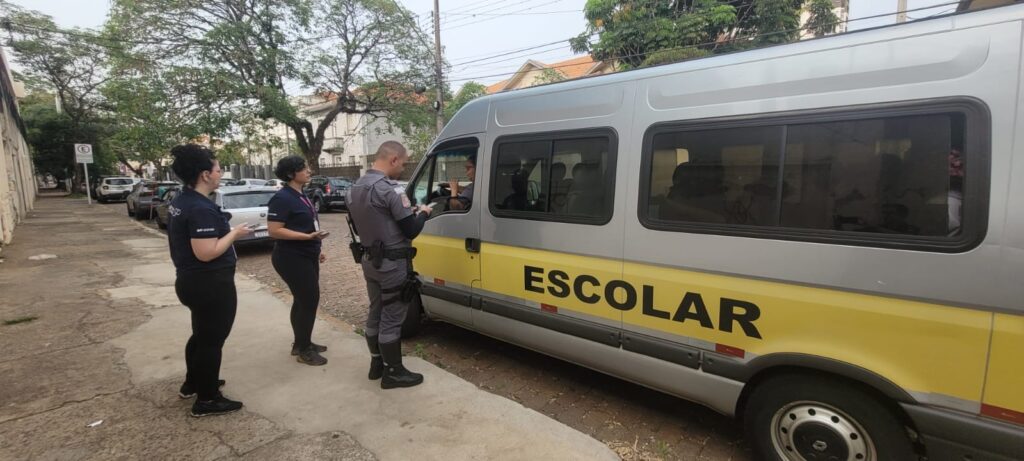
column 800, row 417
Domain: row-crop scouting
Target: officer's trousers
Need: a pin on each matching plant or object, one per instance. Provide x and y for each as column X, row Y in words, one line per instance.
column 387, row 310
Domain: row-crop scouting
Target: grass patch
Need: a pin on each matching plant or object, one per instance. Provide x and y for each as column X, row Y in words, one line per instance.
column 20, row 320
column 419, row 351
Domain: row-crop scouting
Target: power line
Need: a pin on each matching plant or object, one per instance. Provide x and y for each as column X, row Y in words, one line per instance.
column 456, row 26
column 456, row 22
column 517, row 51
column 511, row 14
column 734, row 39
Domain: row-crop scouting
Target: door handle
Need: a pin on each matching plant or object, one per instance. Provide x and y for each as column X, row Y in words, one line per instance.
column 473, row 245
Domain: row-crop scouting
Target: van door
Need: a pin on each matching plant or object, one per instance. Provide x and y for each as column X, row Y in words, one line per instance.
column 448, row 258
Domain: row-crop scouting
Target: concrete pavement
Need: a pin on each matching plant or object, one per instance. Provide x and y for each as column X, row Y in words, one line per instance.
column 107, row 342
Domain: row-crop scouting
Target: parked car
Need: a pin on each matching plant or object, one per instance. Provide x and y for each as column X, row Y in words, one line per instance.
column 328, row 193
column 246, row 182
column 112, row 188
column 276, row 183
column 246, row 204
column 140, row 202
column 160, row 203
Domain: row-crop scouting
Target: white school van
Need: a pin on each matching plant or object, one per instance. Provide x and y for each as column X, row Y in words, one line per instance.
column 824, row 239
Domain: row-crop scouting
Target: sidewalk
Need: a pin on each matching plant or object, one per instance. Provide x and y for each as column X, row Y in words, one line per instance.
column 95, row 374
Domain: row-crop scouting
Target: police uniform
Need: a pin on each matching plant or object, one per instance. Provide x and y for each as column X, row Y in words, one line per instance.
column 206, row 288
column 383, row 218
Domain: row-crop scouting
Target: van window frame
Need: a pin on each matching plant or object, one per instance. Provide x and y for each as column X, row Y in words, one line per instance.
column 430, row 164
column 551, row 137
column 977, row 175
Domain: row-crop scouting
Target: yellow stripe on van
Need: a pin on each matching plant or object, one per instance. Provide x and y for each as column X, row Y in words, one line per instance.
column 1005, row 383
column 922, row 347
column 919, row 346
column 446, row 259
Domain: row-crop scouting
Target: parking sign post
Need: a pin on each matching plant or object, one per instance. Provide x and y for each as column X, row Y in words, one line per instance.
column 83, row 155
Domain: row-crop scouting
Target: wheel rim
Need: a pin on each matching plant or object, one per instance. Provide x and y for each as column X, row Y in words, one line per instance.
column 814, row 431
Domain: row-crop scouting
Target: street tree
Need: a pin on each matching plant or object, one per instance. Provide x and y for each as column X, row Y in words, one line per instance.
column 250, row 55
column 69, row 64
column 822, row 20
column 642, row 33
column 469, row 91
column 627, row 31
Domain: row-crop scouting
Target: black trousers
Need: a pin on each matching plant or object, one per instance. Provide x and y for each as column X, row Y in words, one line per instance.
column 302, row 274
column 212, row 298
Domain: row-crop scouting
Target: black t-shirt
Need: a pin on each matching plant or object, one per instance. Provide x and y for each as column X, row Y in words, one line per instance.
column 295, row 210
column 192, row 216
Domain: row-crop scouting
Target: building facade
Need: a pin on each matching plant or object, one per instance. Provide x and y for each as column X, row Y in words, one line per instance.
column 17, row 176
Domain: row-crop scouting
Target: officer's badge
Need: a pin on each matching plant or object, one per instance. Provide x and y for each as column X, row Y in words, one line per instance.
column 405, row 198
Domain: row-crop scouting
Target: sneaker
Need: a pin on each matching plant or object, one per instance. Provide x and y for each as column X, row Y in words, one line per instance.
column 311, row 356
column 218, row 406
column 319, row 348
column 187, row 392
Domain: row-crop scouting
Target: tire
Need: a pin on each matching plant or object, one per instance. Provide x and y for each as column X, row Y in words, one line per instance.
column 318, row 203
column 160, row 223
column 140, row 215
column 413, row 319
column 794, row 415
column 131, row 213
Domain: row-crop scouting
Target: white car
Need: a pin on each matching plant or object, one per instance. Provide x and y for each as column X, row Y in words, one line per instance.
column 114, row 188
column 275, row 183
column 247, row 182
column 246, row 204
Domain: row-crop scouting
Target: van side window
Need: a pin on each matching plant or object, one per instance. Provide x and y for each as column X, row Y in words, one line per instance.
column 563, row 178
column 884, row 175
column 726, row 176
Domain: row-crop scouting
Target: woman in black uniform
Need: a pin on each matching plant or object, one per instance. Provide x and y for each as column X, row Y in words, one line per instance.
column 294, row 224
column 201, row 242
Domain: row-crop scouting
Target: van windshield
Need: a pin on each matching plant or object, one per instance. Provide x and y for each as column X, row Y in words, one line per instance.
column 119, row 181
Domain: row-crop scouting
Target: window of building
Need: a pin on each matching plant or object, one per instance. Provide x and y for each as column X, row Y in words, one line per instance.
column 886, row 177
column 559, row 177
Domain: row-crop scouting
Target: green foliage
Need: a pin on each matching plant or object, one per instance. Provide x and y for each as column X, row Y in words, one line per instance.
column 636, row 33
column 673, row 55
column 629, row 30
column 51, row 136
column 776, row 21
column 233, row 57
column 469, row 91
column 550, row 75
column 822, row 20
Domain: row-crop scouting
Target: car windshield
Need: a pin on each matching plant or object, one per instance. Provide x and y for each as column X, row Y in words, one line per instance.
column 339, row 182
column 255, row 182
column 247, row 199
column 119, row 181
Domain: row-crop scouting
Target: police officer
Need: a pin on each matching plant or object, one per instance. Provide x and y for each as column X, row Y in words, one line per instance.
column 201, row 243
column 387, row 223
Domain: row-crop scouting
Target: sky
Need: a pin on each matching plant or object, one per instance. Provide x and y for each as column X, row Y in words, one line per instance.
column 475, row 29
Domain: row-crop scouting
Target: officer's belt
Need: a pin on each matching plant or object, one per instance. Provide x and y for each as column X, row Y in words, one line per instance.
column 394, row 254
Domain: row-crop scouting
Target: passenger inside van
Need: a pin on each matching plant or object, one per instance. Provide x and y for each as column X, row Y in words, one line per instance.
column 695, row 195
column 560, row 186
column 586, row 194
column 519, row 198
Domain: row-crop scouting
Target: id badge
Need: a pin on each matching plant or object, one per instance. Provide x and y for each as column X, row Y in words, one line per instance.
column 316, row 225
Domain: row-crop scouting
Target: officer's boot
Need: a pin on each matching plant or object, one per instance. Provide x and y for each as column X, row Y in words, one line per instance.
column 395, row 375
column 376, row 362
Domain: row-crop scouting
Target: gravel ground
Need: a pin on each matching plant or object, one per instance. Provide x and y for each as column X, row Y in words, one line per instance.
column 636, row 422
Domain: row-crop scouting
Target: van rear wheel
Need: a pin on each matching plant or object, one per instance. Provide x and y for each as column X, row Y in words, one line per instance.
column 799, row 417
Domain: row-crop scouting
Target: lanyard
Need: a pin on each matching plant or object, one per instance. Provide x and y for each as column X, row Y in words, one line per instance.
column 316, row 217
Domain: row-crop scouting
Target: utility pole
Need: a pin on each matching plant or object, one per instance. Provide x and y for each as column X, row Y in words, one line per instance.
column 901, row 11
column 439, row 104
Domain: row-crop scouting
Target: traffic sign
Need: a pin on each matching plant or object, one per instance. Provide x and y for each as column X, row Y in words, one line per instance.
column 83, row 153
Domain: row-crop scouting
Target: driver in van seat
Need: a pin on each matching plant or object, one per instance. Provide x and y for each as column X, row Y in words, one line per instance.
column 461, row 200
